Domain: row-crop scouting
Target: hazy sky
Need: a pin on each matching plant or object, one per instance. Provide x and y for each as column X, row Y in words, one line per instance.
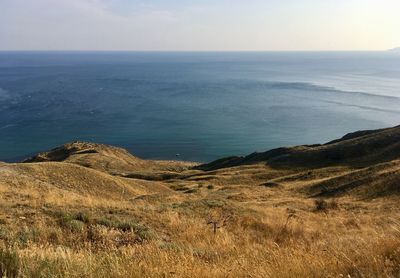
column 199, row 24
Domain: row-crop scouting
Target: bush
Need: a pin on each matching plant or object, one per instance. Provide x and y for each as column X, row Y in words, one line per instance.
column 28, row 235
column 63, row 218
column 81, row 216
column 322, row 205
column 4, row 234
column 127, row 226
column 73, row 221
column 106, row 222
column 210, row 186
column 75, row 225
column 143, row 232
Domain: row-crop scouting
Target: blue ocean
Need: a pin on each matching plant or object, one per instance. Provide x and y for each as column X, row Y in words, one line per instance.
column 200, row 105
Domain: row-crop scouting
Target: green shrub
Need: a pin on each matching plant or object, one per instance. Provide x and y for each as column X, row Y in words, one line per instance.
column 84, row 217
column 106, row 222
column 4, row 234
column 75, row 225
column 27, row 235
column 143, row 232
column 128, row 226
column 64, row 218
column 73, row 221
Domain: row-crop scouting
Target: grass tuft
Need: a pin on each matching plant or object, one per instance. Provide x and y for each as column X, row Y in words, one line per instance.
column 10, row 263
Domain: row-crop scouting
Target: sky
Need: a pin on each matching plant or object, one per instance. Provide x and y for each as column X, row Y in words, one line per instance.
column 199, row 25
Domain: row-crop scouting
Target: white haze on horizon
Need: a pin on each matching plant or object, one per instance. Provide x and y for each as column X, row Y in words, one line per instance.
column 199, row 25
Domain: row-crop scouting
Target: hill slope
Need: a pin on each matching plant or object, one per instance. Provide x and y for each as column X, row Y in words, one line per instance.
column 356, row 149
column 105, row 158
column 92, row 210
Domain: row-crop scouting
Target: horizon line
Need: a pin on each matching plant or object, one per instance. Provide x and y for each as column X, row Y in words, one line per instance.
column 127, row 50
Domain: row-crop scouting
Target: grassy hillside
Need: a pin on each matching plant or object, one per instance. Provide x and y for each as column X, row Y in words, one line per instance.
column 358, row 149
column 91, row 210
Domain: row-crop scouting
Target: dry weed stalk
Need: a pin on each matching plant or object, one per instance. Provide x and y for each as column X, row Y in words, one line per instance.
column 291, row 215
column 218, row 219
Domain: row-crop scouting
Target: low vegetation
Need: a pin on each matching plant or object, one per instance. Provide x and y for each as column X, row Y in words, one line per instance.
column 105, row 213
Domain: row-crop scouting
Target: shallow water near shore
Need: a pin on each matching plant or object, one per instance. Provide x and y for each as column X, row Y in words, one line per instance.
column 201, row 105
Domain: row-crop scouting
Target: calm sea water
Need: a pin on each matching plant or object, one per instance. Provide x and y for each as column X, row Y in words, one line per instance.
column 201, row 105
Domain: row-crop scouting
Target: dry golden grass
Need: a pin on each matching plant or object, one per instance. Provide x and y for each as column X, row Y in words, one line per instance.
column 62, row 219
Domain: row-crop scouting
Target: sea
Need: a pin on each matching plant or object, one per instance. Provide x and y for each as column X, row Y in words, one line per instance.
column 194, row 106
